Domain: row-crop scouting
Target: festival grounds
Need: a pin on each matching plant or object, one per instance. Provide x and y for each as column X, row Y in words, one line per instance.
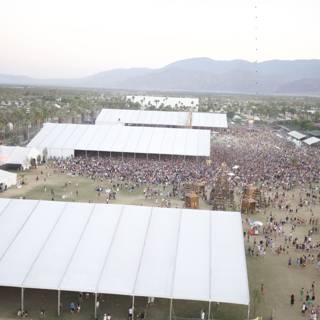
column 272, row 270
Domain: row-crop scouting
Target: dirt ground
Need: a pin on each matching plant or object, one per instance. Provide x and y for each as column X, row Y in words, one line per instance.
column 272, row 270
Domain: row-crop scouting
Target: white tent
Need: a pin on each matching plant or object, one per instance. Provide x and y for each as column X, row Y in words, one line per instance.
column 162, row 118
column 296, row 135
column 61, row 140
column 8, row 178
column 311, row 141
column 21, row 156
column 125, row 250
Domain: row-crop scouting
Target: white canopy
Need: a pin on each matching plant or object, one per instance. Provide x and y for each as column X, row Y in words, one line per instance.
column 8, row 178
column 126, row 250
column 18, row 155
column 162, row 118
column 61, row 140
column 297, row 135
column 312, row 140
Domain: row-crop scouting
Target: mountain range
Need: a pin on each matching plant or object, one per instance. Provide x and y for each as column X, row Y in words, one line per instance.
column 293, row 77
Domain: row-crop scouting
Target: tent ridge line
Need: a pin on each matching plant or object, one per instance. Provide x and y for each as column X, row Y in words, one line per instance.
column 67, row 138
column 31, row 143
column 5, row 207
column 115, row 140
column 141, row 134
column 44, row 244
column 109, row 249
column 162, row 141
column 105, row 136
column 77, row 245
column 176, row 255
column 80, row 138
column 142, row 251
column 58, row 134
column 151, row 138
column 20, row 229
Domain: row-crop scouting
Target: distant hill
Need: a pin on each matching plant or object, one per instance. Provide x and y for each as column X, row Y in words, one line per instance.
column 201, row 75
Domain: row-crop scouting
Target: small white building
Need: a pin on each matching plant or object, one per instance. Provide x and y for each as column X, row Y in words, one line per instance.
column 7, row 179
column 21, row 157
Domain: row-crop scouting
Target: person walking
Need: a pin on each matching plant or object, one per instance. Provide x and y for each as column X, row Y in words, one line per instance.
column 292, row 299
column 301, row 294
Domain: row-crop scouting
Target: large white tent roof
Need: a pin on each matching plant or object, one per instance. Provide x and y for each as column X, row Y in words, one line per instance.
column 63, row 139
column 162, row 118
column 127, row 250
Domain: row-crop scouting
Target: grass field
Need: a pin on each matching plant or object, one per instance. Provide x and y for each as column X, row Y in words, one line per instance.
column 279, row 281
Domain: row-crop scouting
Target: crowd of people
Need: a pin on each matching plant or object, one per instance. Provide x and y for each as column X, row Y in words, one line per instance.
column 259, row 156
column 290, row 229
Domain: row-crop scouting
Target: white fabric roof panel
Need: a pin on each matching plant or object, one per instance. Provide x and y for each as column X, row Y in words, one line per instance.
column 62, row 139
column 231, row 266
column 312, row 140
column 49, row 267
column 43, row 216
column 297, row 135
column 90, row 260
column 9, row 228
column 210, row 120
column 128, row 250
column 158, row 259
column 193, row 232
column 162, row 118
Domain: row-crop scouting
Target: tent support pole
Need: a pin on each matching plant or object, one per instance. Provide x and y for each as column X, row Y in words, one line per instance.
column 249, row 311
column 122, row 156
column 170, row 313
column 22, row 300
column 98, row 154
column 95, row 305
column 209, row 310
column 132, row 307
column 59, row 302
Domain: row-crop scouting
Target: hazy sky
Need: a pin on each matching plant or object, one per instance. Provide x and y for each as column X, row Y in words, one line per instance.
column 71, row 38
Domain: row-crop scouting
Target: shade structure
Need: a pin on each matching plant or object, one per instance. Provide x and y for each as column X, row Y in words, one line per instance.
column 312, row 141
column 297, row 135
column 21, row 156
column 121, row 249
column 8, row 178
column 162, row 118
column 61, row 140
